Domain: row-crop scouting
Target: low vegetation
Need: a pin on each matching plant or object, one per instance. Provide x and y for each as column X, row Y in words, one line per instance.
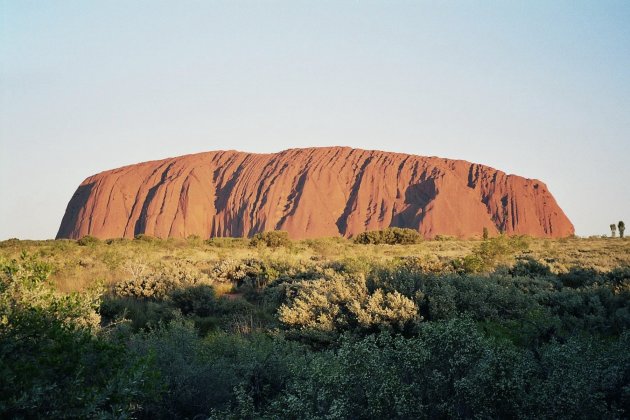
column 389, row 236
column 506, row 327
column 272, row 239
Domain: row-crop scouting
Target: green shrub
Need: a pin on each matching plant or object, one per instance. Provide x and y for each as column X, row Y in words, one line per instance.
column 198, row 300
column 320, row 309
column 489, row 253
column 620, row 277
column 159, row 283
column 389, row 236
column 272, row 239
column 578, row 277
column 209, row 377
column 250, row 272
column 225, row 270
column 53, row 362
column 529, row 267
column 351, row 265
column 472, row 263
column 145, row 287
column 140, row 313
column 449, row 371
column 88, row 240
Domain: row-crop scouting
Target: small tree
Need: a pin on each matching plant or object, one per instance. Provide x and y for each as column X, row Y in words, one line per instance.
column 613, row 230
column 485, row 233
column 622, row 228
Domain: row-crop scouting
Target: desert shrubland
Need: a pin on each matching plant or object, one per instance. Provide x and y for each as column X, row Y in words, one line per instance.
column 506, row 327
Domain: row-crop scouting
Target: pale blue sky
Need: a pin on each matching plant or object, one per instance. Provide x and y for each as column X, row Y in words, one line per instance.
column 536, row 88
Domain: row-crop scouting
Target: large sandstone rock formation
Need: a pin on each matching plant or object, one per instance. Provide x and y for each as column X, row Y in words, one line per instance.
column 310, row 193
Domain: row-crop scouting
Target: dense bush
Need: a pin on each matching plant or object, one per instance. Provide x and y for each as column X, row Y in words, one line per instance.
column 389, row 236
column 272, row 239
column 253, row 273
column 145, row 287
column 321, row 309
column 53, row 361
column 449, row 370
column 528, row 267
column 226, row 374
column 157, row 284
column 199, row 300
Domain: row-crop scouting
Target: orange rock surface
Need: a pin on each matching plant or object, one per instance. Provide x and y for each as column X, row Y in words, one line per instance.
column 315, row 192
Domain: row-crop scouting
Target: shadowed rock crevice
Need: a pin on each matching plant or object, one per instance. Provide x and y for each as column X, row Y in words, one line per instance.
column 342, row 222
column 293, row 199
column 417, row 198
column 141, row 223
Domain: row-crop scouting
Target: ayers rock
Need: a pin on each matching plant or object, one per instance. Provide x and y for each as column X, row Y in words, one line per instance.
column 315, row 192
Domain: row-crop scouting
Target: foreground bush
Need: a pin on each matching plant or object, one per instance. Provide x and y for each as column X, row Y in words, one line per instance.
column 53, row 361
column 389, row 236
column 199, row 300
column 449, row 370
column 321, row 309
column 215, row 374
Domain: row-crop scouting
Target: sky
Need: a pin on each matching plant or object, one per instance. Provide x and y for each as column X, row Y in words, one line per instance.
column 536, row 88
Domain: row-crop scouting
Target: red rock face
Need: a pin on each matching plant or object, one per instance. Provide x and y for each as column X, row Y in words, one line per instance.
column 336, row 191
